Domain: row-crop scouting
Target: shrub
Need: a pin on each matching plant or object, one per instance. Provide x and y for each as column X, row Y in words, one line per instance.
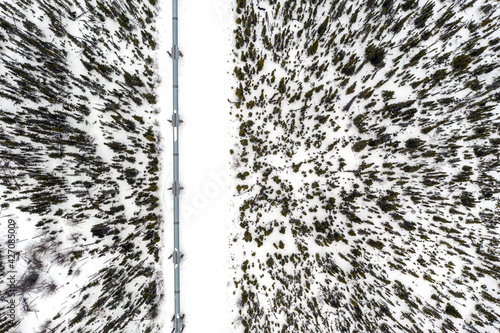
column 409, row 4
column 350, row 68
column 240, row 4
column 313, row 48
column 425, row 14
column 473, row 84
column 322, row 27
column 359, row 146
column 132, row 79
column 413, row 143
column 376, row 244
column 351, row 89
column 387, row 95
column 450, row 310
column 467, row 199
column 461, row 62
column 375, row 55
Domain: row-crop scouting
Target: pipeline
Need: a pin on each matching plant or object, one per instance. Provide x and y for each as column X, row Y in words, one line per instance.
column 176, row 188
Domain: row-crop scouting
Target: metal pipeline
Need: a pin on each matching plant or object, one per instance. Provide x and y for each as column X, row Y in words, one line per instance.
column 178, row 326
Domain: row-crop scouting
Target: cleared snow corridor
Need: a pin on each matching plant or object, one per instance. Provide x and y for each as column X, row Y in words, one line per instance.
column 204, row 143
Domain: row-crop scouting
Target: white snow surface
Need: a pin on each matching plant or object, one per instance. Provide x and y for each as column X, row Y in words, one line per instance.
column 204, row 85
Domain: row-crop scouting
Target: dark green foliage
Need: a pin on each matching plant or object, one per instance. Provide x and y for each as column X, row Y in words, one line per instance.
column 56, row 160
column 281, row 86
column 313, row 48
column 388, row 202
column 376, row 244
column 323, row 26
column 132, row 79
column 149, row 293
column 464, row 175
column 461, row 62
column 359, row 122
column 375, row 55
column 450, row 310
column 260, row 64
column 409, row 4
column 100, row 230
column 467, row 199
column 79, row 316
column 413, row 143
column 473, row 84
column 389, row 194
column 414, row 60
column 439, row 75
column 350, row 67
column 240, row 4
column 425, row 13
column 359, row 146
column 387, row 95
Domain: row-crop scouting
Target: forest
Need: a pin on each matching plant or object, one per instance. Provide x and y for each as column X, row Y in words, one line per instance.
column 366, row 162
column 79, row 156
column 367, row 165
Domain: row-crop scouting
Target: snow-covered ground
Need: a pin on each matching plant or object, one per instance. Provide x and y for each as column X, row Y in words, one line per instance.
column 204, row 86
column 362, row 192
column 78, row 161
column 362, row 207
